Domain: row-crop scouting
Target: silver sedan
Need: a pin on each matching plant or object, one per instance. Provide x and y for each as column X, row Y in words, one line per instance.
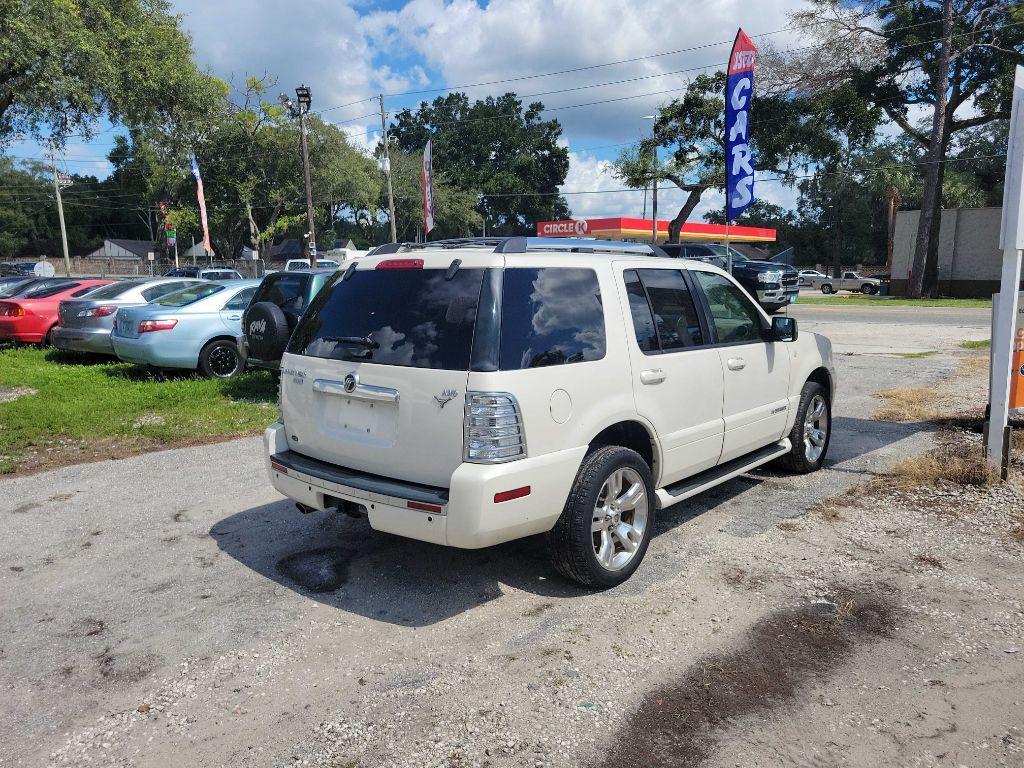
column 85, row 324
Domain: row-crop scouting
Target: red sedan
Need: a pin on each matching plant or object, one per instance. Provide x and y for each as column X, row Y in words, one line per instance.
column 31, row 314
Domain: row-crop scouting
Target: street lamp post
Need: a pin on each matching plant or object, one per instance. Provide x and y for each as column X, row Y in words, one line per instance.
column 654, row 179
column 304, row 99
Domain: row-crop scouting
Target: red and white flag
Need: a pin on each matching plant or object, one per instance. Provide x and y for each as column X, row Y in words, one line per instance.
column 428, row 188
column 202, row 206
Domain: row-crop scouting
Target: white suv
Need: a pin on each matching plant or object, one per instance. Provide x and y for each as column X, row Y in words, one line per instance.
column 472, row 392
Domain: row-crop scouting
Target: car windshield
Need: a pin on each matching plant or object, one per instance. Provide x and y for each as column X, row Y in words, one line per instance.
column 113, row 290
column 721, row 250
column 328, row 264
column 189, row 295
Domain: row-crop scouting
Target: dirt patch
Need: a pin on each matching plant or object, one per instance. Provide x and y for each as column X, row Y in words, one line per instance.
column 67, row 452
column 680, row 723
column 907, row 404
column 7, row 394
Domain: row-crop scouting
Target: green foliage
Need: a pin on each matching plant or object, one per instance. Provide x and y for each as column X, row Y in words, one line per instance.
column 455, row 208
column 111, row 398
column 493, row 146
column 64, row 64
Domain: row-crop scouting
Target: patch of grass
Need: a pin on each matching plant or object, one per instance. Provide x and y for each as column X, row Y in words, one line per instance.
column 957, row 464
column 907, row 404
column 80, row 407
column 893, row 301
column 973, row 365
column 916, row 355
column 982, row 344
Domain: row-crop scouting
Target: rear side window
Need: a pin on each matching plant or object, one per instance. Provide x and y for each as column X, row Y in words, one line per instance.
column 87, row 291
column 666, row 319
column 734, row 315
column 286, row 291
column 550, row 316
column 407, row 317
column 241, row 299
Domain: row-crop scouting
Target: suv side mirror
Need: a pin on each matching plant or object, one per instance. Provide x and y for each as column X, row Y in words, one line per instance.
column 784, row 329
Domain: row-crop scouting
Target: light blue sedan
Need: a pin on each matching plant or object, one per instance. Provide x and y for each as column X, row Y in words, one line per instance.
column 195, row 328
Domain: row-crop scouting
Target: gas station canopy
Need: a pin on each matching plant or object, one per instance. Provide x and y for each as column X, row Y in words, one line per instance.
column 639, row 230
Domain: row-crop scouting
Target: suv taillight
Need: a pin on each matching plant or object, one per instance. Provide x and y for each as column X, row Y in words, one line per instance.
column 493, row 428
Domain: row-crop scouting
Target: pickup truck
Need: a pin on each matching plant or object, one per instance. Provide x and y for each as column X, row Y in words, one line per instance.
column 850, row 281
column 775, row 286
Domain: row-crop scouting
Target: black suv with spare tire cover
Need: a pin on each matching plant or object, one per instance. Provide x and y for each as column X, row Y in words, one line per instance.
column 270, row 318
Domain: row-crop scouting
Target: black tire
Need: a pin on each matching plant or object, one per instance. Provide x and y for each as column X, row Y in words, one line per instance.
column 827, row 288
column 797, row 460
column 571, row 542
column 266, row 330
column 772, row 309
column 868, row 289
column 215, row 361
column 48, row 338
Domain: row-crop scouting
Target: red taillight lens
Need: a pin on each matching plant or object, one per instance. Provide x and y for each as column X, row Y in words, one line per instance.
column 424, row 507
column 11, row 310
column 400, row 264
column 279, row 467
column 515, row 493
column 103, row 311
column 156, row 325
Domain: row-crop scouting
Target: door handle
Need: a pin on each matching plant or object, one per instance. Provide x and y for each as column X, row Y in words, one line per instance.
column 736, row 363
column 234, row 317
column 652, row 376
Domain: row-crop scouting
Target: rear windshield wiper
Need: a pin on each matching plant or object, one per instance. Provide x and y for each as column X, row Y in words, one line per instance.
column 363, row 341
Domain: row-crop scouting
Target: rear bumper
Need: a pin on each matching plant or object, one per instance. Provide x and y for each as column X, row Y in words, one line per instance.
column 149, row 349
column 16, row 329
column 95, row 340
column 252, row 362
column 463, row 515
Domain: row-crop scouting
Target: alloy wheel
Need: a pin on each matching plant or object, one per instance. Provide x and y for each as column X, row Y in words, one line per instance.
column 620, row 519
column 815, row 428
column 223, row 361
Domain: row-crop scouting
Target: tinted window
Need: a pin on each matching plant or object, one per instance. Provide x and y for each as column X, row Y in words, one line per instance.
column 17, row 289
column 643, row 318
column 287, row 291
column 697, row 251
column 241, row 299
column 87, row 291
column 550, row 317
column 156, row 291
column 408, row 317
column 735, row 317
column 183, row 273
column 673, row 249
column 675, row 314
column 326, row 263
column 190, row 295
column 49, row 289
column 113, row 290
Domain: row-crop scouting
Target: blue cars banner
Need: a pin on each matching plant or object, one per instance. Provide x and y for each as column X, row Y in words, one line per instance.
column 739, row 163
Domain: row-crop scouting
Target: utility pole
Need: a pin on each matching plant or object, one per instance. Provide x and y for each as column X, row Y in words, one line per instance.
column 654, row 198
column 305, row 98
column 60, row 210
column 387, row 169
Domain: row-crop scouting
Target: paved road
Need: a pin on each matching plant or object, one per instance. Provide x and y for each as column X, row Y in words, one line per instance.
column 181, row 582
column 947, row 317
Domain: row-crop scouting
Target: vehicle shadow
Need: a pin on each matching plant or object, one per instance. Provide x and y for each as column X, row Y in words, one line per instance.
column 345, row 564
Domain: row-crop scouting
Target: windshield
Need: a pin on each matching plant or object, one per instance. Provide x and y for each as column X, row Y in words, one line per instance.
column 327, row 263
column 412, row 317
column 721, row 250
column 113, row 290
column 43, row 289
column 188, row 295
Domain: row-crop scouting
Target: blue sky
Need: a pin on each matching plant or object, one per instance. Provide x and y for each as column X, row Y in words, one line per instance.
column 350, row 50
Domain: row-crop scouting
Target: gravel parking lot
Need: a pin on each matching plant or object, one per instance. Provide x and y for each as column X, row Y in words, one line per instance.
column 172, row 609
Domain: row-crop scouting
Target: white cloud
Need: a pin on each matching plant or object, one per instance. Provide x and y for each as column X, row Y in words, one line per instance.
column 467, row 43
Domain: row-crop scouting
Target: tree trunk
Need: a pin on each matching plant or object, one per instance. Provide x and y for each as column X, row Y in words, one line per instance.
column 931, row 201
column 676, row 225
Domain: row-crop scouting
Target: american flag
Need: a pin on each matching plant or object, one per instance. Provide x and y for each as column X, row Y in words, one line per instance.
column 202, row 206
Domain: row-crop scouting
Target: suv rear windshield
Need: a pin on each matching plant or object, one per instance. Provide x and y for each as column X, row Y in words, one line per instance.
column 408, row 317
column 418, row 318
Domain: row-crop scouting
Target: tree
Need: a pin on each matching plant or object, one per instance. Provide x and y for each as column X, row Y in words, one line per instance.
column 787, row 133
column 64, row 64
column 495, row 148
column 252, row 173
column 937, row 54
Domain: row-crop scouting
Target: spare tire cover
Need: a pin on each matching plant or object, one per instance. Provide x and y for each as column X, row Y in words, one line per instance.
column 266, row 329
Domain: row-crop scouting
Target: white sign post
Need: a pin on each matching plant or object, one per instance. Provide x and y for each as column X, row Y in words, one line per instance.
column 1011, row 240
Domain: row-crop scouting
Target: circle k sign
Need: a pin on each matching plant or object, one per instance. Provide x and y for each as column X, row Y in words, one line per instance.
column 566, row 228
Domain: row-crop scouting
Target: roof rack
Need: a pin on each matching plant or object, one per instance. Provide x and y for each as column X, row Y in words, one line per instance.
column 525, row 244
